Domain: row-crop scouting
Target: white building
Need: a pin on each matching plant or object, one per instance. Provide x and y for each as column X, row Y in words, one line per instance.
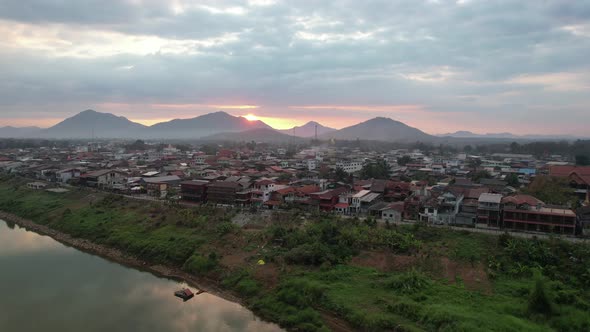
column 350, row 166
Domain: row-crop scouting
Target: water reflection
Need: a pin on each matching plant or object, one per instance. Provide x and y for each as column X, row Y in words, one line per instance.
column 16, row 240
column 61, row 289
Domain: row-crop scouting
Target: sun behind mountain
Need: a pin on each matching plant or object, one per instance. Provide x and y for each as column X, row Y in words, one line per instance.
column 251, row 117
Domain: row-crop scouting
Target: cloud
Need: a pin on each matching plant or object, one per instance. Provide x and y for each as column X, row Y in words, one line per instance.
column 480, row 57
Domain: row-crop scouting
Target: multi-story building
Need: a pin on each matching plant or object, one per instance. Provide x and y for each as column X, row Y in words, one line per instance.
column 350, row 166
column 223, row 192
column 489, row 211
column 194, row 191
column 526, row 213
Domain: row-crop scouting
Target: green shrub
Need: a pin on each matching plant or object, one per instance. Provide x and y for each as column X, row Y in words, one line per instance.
column 409, row 282
column 539, row 299
column 200, row 265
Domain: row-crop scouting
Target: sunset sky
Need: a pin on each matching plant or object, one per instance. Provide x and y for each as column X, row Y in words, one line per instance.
column 438, row 65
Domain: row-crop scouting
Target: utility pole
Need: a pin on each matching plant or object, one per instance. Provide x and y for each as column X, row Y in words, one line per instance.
column 316, row 132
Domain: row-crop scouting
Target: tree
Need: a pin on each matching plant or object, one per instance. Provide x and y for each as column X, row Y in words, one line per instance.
column 340, row 175
column 551, row 190
column 285, row 177
column 474, row 163
column 582, row 160
column 138, row 145
column 183, row 147
column 376, row 170
column 209, row 149
column 512, row 180
column 514, row 147
column 483, row 174
column 467, row 149
column 403, row 161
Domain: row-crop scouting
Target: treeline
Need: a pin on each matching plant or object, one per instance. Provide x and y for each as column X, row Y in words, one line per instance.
column 30, row 143
column 578, row 151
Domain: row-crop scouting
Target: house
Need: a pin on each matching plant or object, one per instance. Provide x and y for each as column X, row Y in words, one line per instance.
column 355, row 203
column 367, row 201
column 194, row 191
column 489, row 210
column 578, row 177
column 159, row 186
column 105, row 178
column 301, row 195
column 393, row 212
column 396, row 191
column 67, row 174
column 468, row 209
column 527, row 213
column 326, row 200
column 443, row 209
column 261, row 191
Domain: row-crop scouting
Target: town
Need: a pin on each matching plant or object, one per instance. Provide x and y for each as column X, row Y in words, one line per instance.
column 507, row 191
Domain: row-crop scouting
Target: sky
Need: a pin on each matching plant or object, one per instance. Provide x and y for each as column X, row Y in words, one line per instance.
column 441, row 66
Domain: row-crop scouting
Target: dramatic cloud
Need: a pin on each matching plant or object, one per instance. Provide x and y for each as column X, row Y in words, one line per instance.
column 440, row 66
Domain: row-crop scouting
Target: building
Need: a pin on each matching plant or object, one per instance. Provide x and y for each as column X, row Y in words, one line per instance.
column 355, row 201
column 489, row 210
column 443, row 209
column 223, row 192
column 194, row 191
column 526, row 213
column 393, row 212
column 326, row 200
column 159, row 186
column 66, row 175
column 578, row 177
column 350, row 166
column 105, row 178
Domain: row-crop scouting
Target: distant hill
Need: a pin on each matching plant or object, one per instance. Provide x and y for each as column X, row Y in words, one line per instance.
column 469, row 134
column 308, row 130
column 264, row 135
column 201, row 126
column 380, row 129
column 19, row 132
column 90, row 123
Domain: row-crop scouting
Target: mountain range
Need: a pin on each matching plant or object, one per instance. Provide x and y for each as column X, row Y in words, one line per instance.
column 223, row 126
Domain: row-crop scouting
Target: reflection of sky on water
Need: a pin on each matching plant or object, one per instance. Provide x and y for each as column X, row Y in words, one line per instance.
column 18, row 241
column 61, row 289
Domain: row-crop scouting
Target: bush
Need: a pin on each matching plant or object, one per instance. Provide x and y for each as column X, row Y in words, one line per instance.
column 409, row 282
column 539, row 300
column 200, row 265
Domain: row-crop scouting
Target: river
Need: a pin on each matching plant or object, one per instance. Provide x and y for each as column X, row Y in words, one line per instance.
column 46, row 286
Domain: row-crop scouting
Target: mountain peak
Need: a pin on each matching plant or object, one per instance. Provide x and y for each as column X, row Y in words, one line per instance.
column 308, row 130
column 381, row 129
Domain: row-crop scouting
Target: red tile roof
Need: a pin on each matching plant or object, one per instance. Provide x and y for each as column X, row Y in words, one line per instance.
column 566, row 170
column 521, row 199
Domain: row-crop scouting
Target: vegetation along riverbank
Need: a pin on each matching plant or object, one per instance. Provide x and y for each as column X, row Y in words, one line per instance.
column 321, row 272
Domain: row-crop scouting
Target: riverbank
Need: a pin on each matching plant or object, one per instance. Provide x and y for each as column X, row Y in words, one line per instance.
column 120, row 257
column 319, row 272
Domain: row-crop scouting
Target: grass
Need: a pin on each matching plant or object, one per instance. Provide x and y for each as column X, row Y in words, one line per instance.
column 315, row 274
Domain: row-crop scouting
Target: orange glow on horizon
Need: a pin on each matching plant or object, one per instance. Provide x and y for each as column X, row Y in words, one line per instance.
column 250, row 117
